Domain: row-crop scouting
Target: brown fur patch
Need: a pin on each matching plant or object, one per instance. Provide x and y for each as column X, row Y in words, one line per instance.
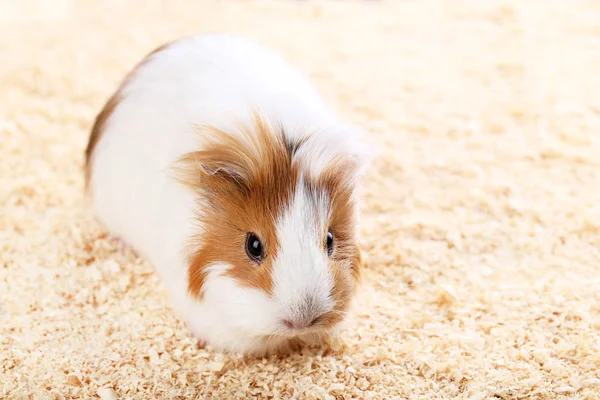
column 247, row 181
column 97, row 131
column 337, row 181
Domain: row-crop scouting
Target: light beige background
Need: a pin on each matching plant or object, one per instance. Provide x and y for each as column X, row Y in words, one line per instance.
column 481, row 216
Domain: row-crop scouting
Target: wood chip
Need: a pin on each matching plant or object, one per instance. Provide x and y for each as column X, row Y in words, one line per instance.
column 480, row 214
column 107, row 394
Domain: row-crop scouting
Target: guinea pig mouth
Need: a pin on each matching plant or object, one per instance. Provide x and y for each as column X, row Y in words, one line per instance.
column 298, row 334
column 316, row 329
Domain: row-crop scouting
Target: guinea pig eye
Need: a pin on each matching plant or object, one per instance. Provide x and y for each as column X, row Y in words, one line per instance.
column 329, row 243
column 254, row 247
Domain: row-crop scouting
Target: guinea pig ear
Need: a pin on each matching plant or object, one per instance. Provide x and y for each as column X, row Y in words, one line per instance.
column 353, row 152
column 221, row 165
column 360, row 148
column 223, row 161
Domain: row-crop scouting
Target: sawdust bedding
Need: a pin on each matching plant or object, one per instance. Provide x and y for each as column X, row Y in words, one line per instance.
column 481, row 215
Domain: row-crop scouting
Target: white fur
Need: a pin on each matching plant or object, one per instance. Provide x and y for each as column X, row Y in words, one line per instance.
column 301, row 273
column 213, row 80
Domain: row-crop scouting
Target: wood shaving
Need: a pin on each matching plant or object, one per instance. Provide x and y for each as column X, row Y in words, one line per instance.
column 107, row 394
column 481, row 212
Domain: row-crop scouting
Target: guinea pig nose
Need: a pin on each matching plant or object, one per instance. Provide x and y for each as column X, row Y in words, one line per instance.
column 289, row 324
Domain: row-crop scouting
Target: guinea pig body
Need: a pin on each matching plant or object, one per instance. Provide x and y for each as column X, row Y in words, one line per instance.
column 220, row 164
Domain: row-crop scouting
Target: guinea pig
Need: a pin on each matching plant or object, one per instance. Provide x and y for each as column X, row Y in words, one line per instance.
column 221, row 165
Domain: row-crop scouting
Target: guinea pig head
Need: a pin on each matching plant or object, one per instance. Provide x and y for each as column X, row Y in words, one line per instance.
column 276, row 249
